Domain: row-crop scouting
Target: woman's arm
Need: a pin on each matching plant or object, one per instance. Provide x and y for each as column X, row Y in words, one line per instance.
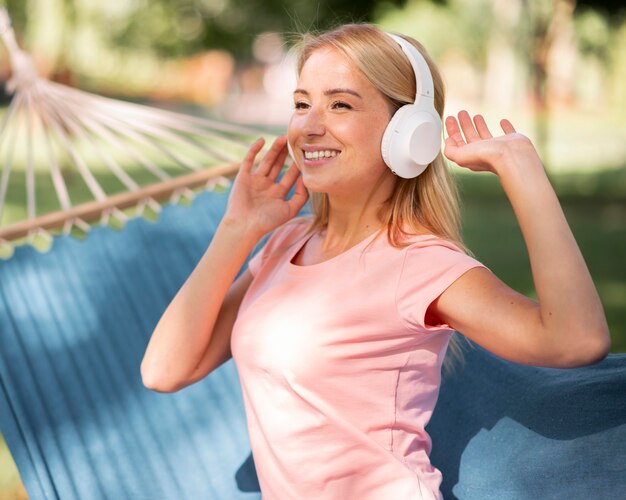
column 193, row 336
column 567, row 326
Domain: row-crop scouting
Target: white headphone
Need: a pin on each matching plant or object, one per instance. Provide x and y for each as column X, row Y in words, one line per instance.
column 412, row 138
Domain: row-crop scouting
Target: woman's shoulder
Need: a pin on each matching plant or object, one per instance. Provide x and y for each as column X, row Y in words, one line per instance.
column 287, row 234
column 438, row 255
column 417, row 241
column 427, row 250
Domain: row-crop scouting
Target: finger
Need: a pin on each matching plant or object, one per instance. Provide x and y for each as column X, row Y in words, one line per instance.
column 454, row 133
column 278, row 164
column 268, row 160
column 467, row 126
column 299, row 198
column 290, row 176
column 449, row 148
column 248, row 161
column 481, row 127
column 507, row 126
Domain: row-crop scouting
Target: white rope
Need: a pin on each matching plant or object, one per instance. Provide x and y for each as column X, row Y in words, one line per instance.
column 56, row 122
column 140, row 123
column 182, row 192
column 6, row 170
column 57, row 178
column 58, row 182
column 75, row 222
column 112, row 212
column 147, row 202
column 164, row 116
column 220, row 181
column 30, row 173
column 68, row 120
column 102, row 132
column 120, row 127
column 41, row 234
column 79, row 130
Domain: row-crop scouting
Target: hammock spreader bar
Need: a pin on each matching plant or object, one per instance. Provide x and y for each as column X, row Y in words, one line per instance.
column 92, row 210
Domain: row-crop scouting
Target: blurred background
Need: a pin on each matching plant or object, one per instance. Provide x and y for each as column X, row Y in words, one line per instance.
column 556, row 68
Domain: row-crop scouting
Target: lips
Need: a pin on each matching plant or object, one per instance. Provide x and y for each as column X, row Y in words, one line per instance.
column 320, row 154
column 317, row 155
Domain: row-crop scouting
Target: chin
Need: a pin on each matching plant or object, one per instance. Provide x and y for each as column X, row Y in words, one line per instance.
column 316, row 184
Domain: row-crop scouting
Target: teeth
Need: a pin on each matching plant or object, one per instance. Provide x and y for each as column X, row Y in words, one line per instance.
column 315, row 155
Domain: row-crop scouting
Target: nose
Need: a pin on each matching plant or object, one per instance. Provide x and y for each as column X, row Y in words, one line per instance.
column 314, row 123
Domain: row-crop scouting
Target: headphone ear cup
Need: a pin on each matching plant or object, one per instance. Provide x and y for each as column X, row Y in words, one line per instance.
column 425, row 142
column 411, row 141
column 391, row 132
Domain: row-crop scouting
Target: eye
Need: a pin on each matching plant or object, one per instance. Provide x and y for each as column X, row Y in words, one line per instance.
column 300, row 105
column 341, row 105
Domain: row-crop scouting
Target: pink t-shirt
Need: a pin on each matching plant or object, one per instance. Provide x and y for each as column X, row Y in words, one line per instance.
column 339, row 373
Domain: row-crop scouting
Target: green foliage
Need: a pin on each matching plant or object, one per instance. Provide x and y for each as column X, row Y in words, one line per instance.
column 597, row 218
column 17, row 10
column 456, row 25
column 182, row 27
column 593, row 33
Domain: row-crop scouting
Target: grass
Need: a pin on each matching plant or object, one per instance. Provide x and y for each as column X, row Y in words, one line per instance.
column 11, row 487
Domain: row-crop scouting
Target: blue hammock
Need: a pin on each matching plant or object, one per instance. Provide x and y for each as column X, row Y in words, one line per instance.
column 74, row 324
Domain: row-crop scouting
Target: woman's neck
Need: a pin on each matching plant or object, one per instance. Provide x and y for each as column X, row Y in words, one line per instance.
column 346, row 228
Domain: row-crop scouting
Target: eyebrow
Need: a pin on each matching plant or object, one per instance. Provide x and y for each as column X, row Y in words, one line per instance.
column 331, row 92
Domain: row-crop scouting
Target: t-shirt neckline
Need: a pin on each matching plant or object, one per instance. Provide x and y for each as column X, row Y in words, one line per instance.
column 315, row 267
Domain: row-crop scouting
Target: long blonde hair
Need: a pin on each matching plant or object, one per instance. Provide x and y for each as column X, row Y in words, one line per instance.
column 427, row 203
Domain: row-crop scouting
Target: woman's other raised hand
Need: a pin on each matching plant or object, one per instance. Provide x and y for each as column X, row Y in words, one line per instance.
column 566, row 327
column 471, row 145
column 257, row 201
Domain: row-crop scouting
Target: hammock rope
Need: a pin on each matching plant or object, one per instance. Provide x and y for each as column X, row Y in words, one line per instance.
column 91, row 133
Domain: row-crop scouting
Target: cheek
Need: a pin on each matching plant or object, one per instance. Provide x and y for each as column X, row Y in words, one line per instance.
column 290, row 130
column 367, row 133
column 369, row 127
column 292, row 135
column 293, row 129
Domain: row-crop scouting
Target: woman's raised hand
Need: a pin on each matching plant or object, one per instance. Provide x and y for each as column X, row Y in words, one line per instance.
column 256, row 200
column 471, row 145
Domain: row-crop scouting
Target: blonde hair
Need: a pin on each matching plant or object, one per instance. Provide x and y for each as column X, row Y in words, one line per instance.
column 427, row 203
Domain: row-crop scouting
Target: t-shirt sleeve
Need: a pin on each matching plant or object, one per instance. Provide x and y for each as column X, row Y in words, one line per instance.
column 426, row 273
column 275, row 242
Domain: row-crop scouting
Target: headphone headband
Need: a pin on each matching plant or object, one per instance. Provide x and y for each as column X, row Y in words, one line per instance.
column 412, row 139
column 423, row 79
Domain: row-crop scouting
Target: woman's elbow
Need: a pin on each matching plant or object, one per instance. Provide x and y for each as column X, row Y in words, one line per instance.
column 154, row 380
column 595, row 347
column 601, row 348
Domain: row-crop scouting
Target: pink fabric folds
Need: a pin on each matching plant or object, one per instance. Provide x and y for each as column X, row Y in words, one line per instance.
column 340, row 374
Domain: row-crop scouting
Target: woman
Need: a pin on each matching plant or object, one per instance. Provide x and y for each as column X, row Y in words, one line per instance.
column 340, row 323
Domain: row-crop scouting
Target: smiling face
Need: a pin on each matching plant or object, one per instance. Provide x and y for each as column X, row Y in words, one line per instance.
column 337, row 126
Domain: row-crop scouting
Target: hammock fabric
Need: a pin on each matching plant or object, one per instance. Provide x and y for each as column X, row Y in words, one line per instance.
column 74, row 324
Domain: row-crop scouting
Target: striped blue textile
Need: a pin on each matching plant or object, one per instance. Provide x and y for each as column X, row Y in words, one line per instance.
column 503, row 431
column 74, row 324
